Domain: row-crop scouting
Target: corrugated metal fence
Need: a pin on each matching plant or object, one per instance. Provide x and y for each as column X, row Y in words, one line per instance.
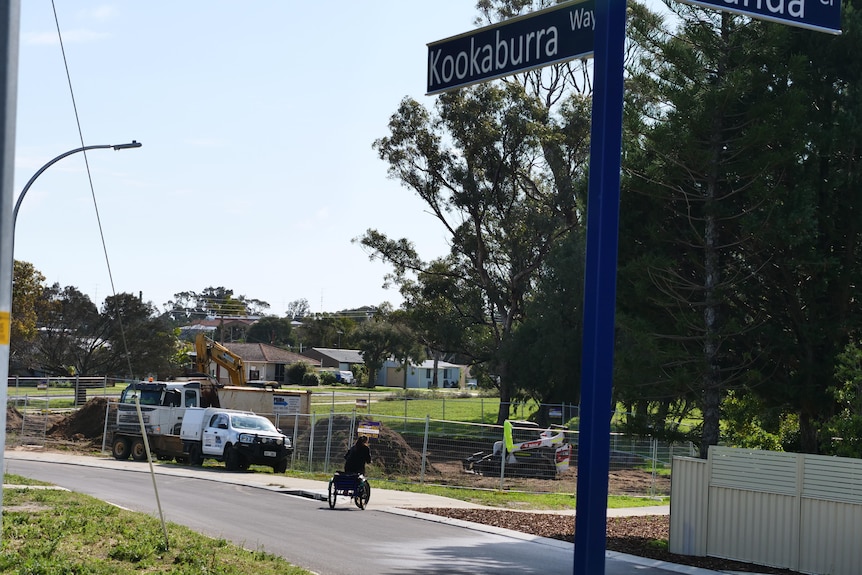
column 786, row 510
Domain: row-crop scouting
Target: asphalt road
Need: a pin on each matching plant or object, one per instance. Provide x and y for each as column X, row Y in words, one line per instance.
column 309, row 534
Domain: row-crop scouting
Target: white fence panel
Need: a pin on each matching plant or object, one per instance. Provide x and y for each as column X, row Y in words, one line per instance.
column 688, row 506
column 785, row 510
column 753, row 526
column 831, row 537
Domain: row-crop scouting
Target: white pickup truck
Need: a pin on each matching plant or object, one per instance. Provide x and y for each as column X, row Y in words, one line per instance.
column 238, row 438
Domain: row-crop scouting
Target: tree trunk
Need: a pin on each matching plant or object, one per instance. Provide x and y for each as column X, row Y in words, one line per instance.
column 712, row 384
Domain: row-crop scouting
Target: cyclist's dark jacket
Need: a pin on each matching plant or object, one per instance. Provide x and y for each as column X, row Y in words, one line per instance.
column 356, row 458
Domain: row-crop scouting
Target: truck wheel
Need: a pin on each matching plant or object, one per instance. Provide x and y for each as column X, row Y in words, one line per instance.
column 139, row 452
column 281, row 466
column 195, row 455
column 231, row 458
column 121, row 448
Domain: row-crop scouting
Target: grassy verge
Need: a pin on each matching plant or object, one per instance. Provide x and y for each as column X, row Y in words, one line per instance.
column 47, row 532
column 500, row 498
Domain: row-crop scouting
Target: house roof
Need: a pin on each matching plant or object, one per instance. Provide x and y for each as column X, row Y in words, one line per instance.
column 428, row 364
column 226, row 320
column 264, row 353
column 341, row 355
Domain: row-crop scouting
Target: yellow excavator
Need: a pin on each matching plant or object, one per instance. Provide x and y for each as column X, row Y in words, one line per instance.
column 208, row 351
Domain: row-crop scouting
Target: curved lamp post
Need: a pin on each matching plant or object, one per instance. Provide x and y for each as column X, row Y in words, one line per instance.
column 132, row 144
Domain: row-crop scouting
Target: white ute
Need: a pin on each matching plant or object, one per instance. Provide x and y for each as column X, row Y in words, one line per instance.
column 239, row 438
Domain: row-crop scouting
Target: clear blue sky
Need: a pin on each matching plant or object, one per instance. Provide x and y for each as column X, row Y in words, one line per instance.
column 257, row 120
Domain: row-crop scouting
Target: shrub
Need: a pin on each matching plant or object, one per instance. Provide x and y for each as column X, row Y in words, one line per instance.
column 310, row 379
column 296, row 372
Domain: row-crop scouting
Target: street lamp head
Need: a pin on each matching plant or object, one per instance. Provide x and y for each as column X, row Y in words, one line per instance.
column 132, row 144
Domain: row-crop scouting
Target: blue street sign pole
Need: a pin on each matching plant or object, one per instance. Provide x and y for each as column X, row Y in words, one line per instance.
column 600, row 282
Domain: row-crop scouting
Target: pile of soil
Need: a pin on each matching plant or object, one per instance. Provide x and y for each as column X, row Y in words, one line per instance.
column 14, row 419
column 390, row 453
column 84, row 424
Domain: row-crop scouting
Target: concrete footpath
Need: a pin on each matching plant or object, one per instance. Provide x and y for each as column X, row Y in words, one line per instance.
column 385, row 500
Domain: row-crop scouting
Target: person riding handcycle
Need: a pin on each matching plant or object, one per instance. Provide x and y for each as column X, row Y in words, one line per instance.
column 351, row 482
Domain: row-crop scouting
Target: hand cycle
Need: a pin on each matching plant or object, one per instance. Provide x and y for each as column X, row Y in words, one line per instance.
column 349, row 485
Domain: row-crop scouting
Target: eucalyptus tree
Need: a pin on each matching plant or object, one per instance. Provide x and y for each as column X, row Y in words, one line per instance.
column 481, row 166
column 138, row 343
column 434, row 303
column 27, row 285
column 72, row 335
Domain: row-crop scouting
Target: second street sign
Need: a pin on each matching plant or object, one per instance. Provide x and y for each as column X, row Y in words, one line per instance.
column 562, row 32
column 820, row 15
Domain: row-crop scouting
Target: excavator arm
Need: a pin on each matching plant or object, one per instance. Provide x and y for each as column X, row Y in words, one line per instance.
column 208, row 351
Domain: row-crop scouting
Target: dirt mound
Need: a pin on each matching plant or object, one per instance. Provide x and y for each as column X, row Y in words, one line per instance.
column 390, row 453
column 86, row 423
column 14, row 419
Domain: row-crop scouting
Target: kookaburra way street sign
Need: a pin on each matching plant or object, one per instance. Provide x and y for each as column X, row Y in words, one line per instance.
column 562, row 32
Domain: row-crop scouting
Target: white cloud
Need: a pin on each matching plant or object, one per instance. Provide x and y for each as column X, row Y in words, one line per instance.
column 69, row 37
column 103, row 13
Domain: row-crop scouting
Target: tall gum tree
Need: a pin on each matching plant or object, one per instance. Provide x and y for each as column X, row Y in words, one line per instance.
column 481, row 165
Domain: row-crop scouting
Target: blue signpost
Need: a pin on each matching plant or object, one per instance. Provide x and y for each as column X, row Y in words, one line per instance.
column 577, row 30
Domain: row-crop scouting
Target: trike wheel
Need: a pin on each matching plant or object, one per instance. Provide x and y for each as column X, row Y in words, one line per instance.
column 332, row 494
column 363, row 494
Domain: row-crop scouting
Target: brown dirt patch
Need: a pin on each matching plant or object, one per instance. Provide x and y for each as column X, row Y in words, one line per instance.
column 640, row 536
column 390, row 453
column 84, row 424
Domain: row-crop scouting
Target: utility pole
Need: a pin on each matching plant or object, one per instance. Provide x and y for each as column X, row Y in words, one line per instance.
column 10, row 16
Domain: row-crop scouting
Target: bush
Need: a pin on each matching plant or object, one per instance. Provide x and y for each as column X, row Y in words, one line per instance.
column 360, row 374
column 327, row 378
column 310, row 379
column 297, row 371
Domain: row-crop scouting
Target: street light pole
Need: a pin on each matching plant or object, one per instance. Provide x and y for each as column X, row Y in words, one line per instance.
column 10, row 15
column 132, row 144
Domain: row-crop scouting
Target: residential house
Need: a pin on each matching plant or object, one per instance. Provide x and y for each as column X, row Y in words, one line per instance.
column 449, row 375
column 339, row 359
column 261, row 362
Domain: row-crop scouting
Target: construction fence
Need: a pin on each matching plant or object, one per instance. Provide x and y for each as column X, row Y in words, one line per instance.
column 430, row 448
column 433, row 452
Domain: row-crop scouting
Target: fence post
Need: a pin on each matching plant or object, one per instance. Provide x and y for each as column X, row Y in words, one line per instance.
column 424, row 450
column 105, row 430
column 654, row 465
column 295, row 435
column 328, row 442
column 311, row 443
column 503, row 466
column 482, row 409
